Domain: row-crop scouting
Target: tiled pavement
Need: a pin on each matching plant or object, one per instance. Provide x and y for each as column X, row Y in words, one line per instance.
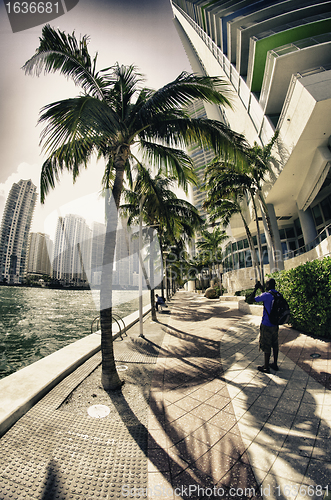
column 216, row 420
column 216, row 426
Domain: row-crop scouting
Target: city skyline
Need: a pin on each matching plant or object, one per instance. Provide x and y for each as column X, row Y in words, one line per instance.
column 119, row 33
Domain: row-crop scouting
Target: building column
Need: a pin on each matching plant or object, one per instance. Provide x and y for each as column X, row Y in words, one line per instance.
column 278, row 262
column 307, row 225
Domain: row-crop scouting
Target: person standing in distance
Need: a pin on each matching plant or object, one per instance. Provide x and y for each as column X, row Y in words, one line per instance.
column 268, row 332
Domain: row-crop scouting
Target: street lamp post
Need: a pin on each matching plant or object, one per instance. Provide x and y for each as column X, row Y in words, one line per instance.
column 141, row 326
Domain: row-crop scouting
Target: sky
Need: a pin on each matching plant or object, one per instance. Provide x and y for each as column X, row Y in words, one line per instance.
column 139, row 32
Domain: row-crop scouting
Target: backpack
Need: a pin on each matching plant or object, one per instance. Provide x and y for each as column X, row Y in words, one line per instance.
column 280, row 311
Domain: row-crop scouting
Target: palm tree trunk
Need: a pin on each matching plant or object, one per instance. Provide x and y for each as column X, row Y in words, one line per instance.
column 264, row 209
column 258, row 241
column 252, row 249
column 109, row 376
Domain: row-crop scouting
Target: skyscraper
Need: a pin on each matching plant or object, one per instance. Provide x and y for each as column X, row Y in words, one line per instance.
column 98, row 243
column 72, row 250
column 275, row 58
column 14, row 232
column 39, row 254
column 201, row 157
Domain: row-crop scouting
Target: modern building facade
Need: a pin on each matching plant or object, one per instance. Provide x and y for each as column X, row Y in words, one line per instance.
column 126, row 266
column 98, row 243
column 39, row 255
column 276, row 58
column 72, row 251
column 14, row 231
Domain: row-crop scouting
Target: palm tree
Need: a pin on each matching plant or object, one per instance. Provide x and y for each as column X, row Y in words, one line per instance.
column 211, row 244
column 224, row 210
column 259, row 159
column 226, row 189
column 113, row 114
column 154, row 199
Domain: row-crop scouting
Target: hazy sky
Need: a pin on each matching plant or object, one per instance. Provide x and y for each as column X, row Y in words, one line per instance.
column 139, row 32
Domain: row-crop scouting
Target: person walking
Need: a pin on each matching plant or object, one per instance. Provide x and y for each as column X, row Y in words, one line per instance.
column 268, row 331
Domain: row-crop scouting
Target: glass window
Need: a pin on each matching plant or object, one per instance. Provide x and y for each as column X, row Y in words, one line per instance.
column 234, row 247
column 240, row 245
column 246, row 245
column 297, row 226
column 248, row 258
column 292, row 245
column 282, row 234
column 326, row 208
column 265, row 255
column 290, row 232
column 284, row 247
column 317, row 215
column 235, row 261
column 241, row 260
column 263, row 240
column 255, row 240
column 323, row 236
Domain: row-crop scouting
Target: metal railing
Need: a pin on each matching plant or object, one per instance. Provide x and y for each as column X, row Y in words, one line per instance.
column 116, row 319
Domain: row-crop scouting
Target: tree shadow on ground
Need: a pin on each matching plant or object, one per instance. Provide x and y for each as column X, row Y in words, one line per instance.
column 177, row 436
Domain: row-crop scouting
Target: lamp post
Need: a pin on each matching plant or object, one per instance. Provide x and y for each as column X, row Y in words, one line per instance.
column 141, row 326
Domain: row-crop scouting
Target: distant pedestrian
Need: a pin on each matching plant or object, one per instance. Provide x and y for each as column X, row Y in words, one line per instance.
column 268, row 331
column 160, row 301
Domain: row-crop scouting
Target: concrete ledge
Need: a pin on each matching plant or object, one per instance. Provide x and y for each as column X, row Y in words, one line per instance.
column 232, row 298
column 24, row 388
column 250, row 308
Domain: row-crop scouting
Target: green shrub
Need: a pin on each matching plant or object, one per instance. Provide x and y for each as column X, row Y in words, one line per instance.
column 307, row 289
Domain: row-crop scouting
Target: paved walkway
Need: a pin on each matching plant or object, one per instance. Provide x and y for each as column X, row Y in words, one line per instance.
column 214, row 426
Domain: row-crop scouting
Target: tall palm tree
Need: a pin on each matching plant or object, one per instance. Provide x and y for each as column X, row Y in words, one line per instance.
column 259, row 159
column 113, row 114
column 224, row 210
column 226, row 189
column 237, row 179
column 153, row 199
column 211, row 244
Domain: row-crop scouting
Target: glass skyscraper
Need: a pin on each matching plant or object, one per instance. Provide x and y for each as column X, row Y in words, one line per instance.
column 14, row 232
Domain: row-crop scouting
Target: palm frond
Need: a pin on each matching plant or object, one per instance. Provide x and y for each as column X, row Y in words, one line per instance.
column 71, row 157
column 184, row 90
column 64, row 53
column 80, row 118
column 171, row 161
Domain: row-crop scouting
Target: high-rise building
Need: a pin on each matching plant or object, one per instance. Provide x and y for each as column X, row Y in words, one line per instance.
column 276, row 59
column 126, row 254
column 201, row 157
column 39, row 254
column 98, row 243
column 72, row 251
column 14, row 231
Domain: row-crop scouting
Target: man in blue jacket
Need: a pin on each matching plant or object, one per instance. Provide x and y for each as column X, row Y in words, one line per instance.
column 268, row 331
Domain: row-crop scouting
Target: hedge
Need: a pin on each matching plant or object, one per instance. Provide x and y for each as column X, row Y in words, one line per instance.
column 307, row 289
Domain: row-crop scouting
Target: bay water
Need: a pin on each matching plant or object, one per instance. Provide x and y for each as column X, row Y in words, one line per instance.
column 35, row 322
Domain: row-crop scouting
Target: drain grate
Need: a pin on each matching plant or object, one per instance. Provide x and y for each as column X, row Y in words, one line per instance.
column 98, row 411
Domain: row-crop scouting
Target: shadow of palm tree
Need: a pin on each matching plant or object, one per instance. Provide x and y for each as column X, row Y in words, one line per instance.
column 195, row 454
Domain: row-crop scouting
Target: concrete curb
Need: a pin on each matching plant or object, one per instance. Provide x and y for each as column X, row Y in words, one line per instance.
column 24, row 388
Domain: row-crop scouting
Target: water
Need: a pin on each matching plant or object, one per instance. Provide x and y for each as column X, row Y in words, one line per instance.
column 35, row 322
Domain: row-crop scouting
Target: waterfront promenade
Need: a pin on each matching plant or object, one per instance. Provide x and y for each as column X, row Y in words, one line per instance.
column 195, row 418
